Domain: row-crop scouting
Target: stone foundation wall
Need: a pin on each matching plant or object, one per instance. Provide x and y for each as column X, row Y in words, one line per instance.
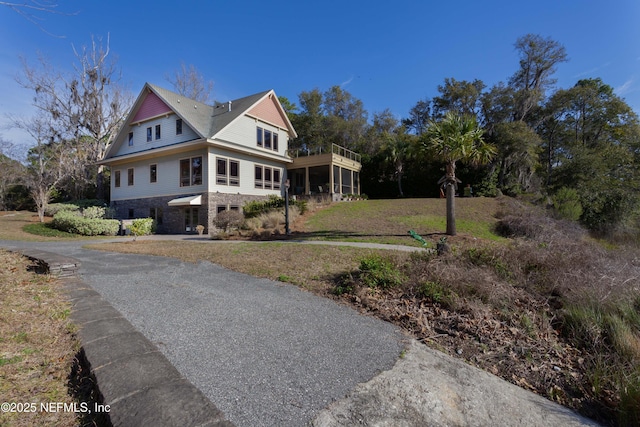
column 226, row 200
column 172, row 217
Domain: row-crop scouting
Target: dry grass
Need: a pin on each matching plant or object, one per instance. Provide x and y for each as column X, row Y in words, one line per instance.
column 37, row 343
column 309, row 266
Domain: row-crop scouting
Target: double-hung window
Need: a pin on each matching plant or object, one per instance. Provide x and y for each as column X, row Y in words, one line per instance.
column 227, row 171
column 191, row 171
column 153, row 173
column 267, row 178
column 266, row 139
column 258, row 177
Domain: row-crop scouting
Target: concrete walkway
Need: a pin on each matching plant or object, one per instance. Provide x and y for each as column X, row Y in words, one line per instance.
column 268, row 354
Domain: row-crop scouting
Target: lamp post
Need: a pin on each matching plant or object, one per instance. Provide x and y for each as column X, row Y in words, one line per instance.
column 286, row 207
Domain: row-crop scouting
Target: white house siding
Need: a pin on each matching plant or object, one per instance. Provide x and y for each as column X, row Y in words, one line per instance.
column 243, row 132
column 168, row 177
column 247, row 165
column 167, row 133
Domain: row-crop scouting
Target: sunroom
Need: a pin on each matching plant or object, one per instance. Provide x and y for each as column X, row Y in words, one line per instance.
column 335, row 173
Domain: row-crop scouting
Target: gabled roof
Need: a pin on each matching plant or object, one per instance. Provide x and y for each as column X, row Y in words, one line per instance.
column 206, row 120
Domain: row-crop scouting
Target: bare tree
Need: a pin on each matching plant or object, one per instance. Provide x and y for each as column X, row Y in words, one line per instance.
column 189, row 82
column 45, row 168
column 32, row 10
column 88, row 106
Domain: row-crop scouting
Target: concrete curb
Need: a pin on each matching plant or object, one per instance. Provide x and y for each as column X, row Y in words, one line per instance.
column 134, row 378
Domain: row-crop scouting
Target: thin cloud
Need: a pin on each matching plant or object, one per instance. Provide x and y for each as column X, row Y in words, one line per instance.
column 625, row 88
column 593, row 70
column 343, row 84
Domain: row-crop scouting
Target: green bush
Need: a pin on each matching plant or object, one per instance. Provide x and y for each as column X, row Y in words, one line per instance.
column 53, row 208
column 141, row 227
column 378, row 272
column 566, row 203
column 94, row 212
column 73, row 222
column 255, row 208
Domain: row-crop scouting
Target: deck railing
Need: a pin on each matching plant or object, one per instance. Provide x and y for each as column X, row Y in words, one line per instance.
column 335, row 149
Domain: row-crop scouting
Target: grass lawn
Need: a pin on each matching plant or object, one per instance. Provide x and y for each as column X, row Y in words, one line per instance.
column 547, row 309
column 388, row 221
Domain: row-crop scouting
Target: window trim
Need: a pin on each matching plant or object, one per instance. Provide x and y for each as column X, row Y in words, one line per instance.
column 259, row 181
column 272, row 183
column 190, row 160
column 153, row 173
column 234, row 180
column 227, row 178
column 222, row 177
column 266, row 138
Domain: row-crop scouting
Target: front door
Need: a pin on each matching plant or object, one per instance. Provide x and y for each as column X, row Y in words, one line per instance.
column 190, row 219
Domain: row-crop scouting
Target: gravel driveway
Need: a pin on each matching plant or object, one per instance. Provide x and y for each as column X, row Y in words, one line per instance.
column 265, row 353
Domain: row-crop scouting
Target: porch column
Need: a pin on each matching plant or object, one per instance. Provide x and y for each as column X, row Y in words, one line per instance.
column 307, row 187
column 331, row 180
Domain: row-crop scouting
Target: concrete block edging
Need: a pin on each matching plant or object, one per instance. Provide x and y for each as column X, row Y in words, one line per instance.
column 133, row 377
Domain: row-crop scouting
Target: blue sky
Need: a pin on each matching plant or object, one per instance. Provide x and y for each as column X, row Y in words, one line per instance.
column 388, row 54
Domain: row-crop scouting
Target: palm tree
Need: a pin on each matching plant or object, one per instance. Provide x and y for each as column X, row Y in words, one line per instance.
column 398, row 150
column 456, row 138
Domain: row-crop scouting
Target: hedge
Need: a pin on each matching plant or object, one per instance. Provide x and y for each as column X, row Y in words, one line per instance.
column 72, row 222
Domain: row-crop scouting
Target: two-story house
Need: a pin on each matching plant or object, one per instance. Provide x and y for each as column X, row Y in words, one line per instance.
column 181, row 162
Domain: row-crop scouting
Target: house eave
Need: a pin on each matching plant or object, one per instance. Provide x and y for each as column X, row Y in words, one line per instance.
column 153, row 152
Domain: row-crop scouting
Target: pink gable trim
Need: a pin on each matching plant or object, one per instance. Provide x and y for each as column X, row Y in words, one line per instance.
column 268, row 111
column 152, row 106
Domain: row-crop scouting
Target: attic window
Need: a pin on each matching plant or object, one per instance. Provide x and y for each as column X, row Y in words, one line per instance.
column 157, row 131
column 179, row 127
column 266, row 139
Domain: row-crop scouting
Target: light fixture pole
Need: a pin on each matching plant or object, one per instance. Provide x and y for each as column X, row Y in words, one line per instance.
column 286, row 207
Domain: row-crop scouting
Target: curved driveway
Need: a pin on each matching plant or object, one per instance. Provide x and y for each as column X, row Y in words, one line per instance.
column 265, row 353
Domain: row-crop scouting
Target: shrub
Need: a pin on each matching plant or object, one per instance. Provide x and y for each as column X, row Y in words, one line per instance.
column 227, row 220
column 255, row 208
column 378, row 272
column 566, row 203
column 141, row 226
column 54, row 208
column 94, row 212
column 73, row 222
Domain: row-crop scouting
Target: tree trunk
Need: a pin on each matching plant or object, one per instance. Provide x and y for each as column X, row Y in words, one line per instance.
column 100, row 183
column 400, row 184
column 451, row 209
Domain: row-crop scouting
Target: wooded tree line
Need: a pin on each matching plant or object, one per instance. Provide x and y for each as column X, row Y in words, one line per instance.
column 583, row 141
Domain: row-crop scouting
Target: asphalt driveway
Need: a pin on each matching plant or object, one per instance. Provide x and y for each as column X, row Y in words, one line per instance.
column 265, row 353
